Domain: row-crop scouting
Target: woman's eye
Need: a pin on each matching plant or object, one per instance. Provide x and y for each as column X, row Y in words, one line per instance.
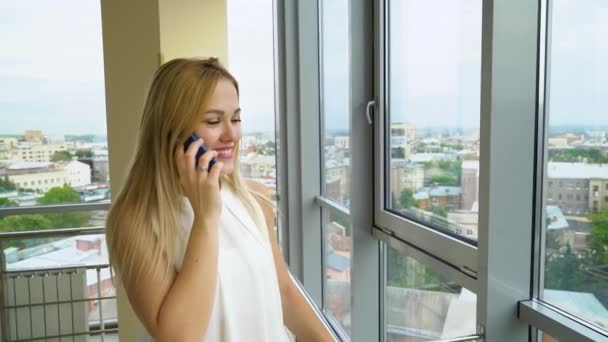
column 212, row 122
column 236, row 120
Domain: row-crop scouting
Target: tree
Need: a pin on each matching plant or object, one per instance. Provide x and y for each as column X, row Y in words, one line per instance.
column 19, row 223
column 60, row 195
column 7, row 184
column 599, row 237
column 394, row 203
column 440, row 215
column 444, row 180
column 5, row 202
column 407, row 199
column 590, row 155
column 84, row 154
column 564, row 272
column 61, row 156
column 397, row 152
column 64, row 195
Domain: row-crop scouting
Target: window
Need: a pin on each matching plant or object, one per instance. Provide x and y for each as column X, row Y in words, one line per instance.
column 433, row 101
column 250, row 42
column 575, row 270
column 337, row 261
column 52, row 80
column 335, row 157
column 335, row 100
column 420, row 305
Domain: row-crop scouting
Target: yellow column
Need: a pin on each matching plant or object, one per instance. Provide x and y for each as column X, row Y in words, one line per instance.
column 193, row 28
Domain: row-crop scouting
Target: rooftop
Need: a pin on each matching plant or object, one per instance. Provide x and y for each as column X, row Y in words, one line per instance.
column 577, row 170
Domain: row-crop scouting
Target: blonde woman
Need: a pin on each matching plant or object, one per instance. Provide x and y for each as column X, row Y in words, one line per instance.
column 193, row 243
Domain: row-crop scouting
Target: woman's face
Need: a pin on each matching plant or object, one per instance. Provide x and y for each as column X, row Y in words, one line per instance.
column 220, row 124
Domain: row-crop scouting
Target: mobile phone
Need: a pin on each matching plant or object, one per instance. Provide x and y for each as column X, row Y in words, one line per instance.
column 200, row 152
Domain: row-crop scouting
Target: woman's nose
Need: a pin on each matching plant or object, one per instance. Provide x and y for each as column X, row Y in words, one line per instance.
column 229, row 133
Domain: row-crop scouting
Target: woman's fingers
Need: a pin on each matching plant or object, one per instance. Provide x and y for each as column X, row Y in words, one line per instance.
column 190, row 155
column 214, row 174
column 205, row 159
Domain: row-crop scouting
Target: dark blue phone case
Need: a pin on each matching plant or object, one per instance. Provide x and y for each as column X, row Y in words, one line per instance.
column 200, row 151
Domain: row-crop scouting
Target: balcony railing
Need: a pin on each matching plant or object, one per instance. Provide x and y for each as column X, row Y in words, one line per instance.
column 71, row 301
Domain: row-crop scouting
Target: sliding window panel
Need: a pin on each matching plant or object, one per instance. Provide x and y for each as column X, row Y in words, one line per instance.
column 427, row 136
column 575, row 179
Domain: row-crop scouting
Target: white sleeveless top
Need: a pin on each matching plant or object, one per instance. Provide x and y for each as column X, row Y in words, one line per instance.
column 247, row 304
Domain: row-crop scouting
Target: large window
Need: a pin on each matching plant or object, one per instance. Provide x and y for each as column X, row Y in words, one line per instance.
column 335, row 157
column 53, row 171
column 53, row 146
column 575, row 277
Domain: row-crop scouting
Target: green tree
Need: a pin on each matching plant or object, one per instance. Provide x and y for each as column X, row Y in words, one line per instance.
column 564, row 271
column 398, row 152
column 5, row 202
column 6, row 184
column 60, row 195
column 394, row 203
column 590, row 155
column 599, row 237
column 61, row 156
column 440, row 215
column 64, row 195
column 84, row 154
column 444, row 180
column 407, row 199
column 21, row 223
column 439, row 211
column 57, row 195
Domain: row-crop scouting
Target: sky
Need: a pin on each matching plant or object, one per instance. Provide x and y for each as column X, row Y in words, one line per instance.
column 51, row 64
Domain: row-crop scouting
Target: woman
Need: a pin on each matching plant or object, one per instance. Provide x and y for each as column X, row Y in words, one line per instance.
column 194, row 245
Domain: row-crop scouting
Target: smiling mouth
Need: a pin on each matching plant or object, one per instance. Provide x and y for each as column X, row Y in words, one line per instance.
column 225, row 153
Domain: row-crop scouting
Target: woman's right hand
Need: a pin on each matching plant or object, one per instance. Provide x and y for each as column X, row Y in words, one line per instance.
column 200, row 186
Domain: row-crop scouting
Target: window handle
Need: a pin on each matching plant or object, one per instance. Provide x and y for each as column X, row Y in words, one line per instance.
column 368, row 111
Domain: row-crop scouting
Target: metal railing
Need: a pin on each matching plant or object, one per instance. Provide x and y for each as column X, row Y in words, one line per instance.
column 56, row 303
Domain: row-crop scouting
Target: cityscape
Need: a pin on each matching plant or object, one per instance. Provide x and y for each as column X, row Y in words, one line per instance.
column 434, row 178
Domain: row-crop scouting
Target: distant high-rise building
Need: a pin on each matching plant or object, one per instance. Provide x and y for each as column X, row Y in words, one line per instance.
column 470, row 183
column 569, row 187
column 35, row 152
column 403, row 137
column 33, row 135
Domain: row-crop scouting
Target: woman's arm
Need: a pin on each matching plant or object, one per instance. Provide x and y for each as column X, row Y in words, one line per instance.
column 298, row 315
column 178, row 308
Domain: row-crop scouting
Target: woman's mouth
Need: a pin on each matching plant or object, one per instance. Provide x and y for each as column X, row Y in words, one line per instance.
column 224, row 153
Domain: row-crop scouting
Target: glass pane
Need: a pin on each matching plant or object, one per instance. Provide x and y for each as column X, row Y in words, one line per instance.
column 434, row 71
column 335, row 103
column 53, row 146
column 576, row 184
column 338, row 252
column 421, row 306
column 250, row 42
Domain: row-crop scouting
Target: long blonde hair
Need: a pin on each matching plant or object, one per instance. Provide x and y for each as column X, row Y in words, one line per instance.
column 144, row 219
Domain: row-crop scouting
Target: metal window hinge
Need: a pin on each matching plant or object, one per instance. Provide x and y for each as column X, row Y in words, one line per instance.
column 368, row 111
